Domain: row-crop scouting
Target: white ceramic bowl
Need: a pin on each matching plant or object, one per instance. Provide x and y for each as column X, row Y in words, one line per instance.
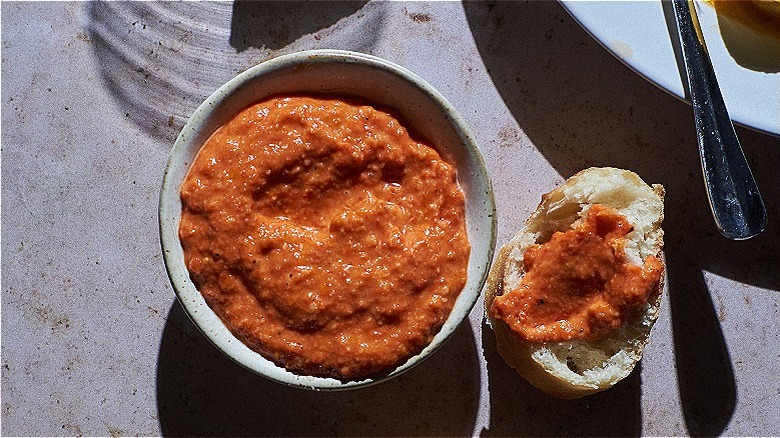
column 338, row 72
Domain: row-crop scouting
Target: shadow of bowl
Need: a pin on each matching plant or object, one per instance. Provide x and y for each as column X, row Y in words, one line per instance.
column 201, row 392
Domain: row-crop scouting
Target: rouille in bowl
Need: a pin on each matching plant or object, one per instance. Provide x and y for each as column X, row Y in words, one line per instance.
column 327, row 220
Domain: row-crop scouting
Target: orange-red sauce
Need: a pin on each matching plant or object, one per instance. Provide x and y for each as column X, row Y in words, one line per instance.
column 324, row 236
column 579, row 284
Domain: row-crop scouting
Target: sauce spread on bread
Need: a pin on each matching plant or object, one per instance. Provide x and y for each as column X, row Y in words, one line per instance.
column 324, row 236
column 579, row 284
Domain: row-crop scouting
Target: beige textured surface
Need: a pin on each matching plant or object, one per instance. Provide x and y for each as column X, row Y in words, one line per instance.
column 93, row 342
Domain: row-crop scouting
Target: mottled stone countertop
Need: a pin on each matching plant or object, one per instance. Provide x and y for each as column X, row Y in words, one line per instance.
column 94, row 342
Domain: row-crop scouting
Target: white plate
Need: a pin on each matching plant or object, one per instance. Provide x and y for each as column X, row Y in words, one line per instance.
column 636, row 32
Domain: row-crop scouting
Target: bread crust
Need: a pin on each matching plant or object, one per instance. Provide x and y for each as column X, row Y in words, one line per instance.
column 577, row 368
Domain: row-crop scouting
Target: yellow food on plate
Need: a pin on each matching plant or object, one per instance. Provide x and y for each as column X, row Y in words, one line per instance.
column 761, row 16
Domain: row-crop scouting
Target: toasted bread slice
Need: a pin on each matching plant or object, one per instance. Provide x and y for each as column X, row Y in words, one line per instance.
column 576, row 368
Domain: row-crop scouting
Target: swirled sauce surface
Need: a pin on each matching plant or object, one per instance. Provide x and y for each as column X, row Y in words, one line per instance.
column 324, row 236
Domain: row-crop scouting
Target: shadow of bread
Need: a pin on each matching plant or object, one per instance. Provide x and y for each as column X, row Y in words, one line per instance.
column 517, row 408
column 581, row 107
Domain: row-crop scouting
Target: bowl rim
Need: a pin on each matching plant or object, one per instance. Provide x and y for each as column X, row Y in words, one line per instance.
column 184, row 288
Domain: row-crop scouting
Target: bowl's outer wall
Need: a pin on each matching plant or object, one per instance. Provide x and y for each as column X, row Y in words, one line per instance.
column 425, row 113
